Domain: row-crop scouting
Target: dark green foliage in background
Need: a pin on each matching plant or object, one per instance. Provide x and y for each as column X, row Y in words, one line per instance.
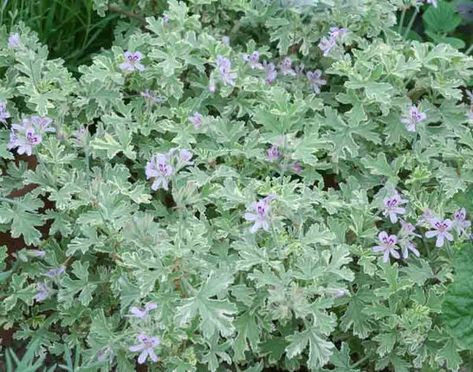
column 71, row 28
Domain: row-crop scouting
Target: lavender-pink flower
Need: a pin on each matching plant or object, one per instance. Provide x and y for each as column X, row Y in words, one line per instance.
column 224, row 67
column 440, row 231
column 42, row 292
column 259, row 213
column 408, row 229
column 24, row 139
column 270, row 71
column 160, row 170
column 132, row 62
column 327, row 43
column 460, row 223
column 55, row 272
column 337, row 32
column 426, row 218
column 392, row 207
column 297, row 167
column 315, row 80
column 145, row 347
column 42, row 123
column 27, row 135
column 185, row 156
column 273, row 153
column 409, row 247
column 413, row 117
column 387, row 246
column 253, row 60
column 196, row 120
column 142, row 313
column 14, row 40
column 286, row 67
column 36, row 253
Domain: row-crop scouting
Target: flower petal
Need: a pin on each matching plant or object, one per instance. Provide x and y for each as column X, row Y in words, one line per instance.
column 378, row 248
column 143, row 356
column 250, row 216
column 136, row 348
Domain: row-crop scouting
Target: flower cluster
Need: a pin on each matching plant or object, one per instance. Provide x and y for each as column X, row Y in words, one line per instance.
column 437, row 228
column 27, row 135
column 227, row 76
column 327, row 43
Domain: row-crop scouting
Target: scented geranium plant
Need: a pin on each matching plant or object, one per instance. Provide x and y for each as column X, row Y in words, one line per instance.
column 239, row 185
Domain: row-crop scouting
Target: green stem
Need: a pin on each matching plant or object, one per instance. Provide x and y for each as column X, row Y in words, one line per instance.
column 126, row 13
column 469, row 50
column 360, row 361
column 411, row 22
column 401, row 21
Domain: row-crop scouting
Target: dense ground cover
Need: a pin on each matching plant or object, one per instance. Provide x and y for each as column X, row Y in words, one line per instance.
column 236, row 185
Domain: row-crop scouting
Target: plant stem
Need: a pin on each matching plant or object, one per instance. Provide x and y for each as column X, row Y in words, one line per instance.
column 116, row 9
column 360, row 361
column 411, row 22
column 469, row 50
column 401, row 21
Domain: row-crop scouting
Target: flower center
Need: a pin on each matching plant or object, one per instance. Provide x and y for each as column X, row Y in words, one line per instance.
column 440, row 226
column 261, row 210
column 388, row 242
column 391, row 203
